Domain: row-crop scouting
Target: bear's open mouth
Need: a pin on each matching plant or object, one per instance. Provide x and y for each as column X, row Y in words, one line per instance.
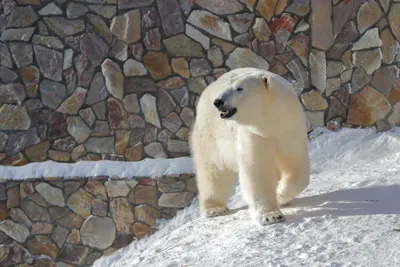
column 228, row 113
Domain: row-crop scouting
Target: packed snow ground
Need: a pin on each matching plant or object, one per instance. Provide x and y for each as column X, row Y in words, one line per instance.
column 348, row 216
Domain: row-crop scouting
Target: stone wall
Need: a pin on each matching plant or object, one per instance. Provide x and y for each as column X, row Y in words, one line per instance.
column 119, row 80
column 74, row 222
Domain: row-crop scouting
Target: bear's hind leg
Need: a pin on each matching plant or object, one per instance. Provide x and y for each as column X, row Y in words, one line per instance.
column 214, row 186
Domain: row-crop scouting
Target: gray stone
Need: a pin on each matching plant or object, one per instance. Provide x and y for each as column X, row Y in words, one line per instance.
column 243, row 57
column 127, row 27
column 187, row 115
column 318, row 69
column 14, row 230
column 122, row 214
column 75, row 10
column 48, row 41
column 98, row 91
column 22, row 17
column 384, row 79
column 390, row 47
column 181, row 96
column 176, row 200
column 149, row 108
column 12, row 93
column 334, row 68
column 64, row 27
column 177, row 146
column 261, row 30
column 182, row 46
column 14, row 118
column 119, row 51
column 359, row 79
column 43, row 28
column 214, row 54
column 135, row 121
column 342, row 12
column 53, row 94
column 93, row 234
column 50, row 9
column 101, row 128
column 7, row 75
column 370, row 60
column 196, row 35
column 240, row 22
column 197, row 85
column 299, row 7
column 131, row 103
column 100, row 110
column 104, row 11
column 21, row 34
column 211, row 24
column 321, row 28
column 166, row 103
column 117, row 188
column 73, row 254
column 155, row 150
column 20, row 140
column 114, row 79
column 51, row 194
column 368, row 14
column 94, row 48
column 370, row 39
column 134, row 85
column 299, row 72
column 342, row 41
column 18, row 216
column 59, row 235
column 171, row 18
column 100, row 145
column 136, row 135
column 5, row 56
column 50, row 62
column 101, row 27
column 129, row 4
column 137, row 51
column 3, row 141
column 22, row 54
column 199, row 67
column 34, row 211
column 170, row 185
column 78, row 129
column 394, row 118
column 172, row 122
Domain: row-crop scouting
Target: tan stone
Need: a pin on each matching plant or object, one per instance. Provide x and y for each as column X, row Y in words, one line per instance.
column 315, row 119
column 266, row 8
column 122, row 214
column 74, row 237
column 227, row 48
column 368, row 14
column 141, row 230
column 38, row 152
column 314, row 101
column 367, row 107
column 157, row 64
column 181, row 67
column 13, row 197
column 40, row 228
column 96, row 188
column 147, row 214
column 191, row 185
column 127, row 26
column 42, row 245
column 80, row 202
column 134, row 153
column 395, row 94
column 394, row 20
column 3, row 212
column 143, row 194
column 78, row 152
column 121, row 141
column 346, row 59
column 389, row 46
column 59, row 155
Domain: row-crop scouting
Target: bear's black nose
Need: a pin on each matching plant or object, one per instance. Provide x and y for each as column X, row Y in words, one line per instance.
column 218, row 103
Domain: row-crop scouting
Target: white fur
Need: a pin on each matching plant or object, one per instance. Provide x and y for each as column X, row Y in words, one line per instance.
column 265, row 143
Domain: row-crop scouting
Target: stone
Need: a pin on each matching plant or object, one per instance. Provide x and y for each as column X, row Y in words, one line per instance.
column 137, row 51
column 385, row 4
column 370, row 39
column 314, row 101
column 119, row 51
column 64, row 27
column 78, row 152
column 314, row 119
column 73, row 254
column 149, row 108
column 70, row 220
column 394, row 20
column 183, row 134
column 367, row 107
column 383, row 126
column 243, row 57
column 99, row 207
column 134, row 68
column 100, row 145
column 141, row 230
column 101, row 128
column 302, row 27
column 171, row 83
column 12, row 93
column 14, row 118
column 15, row 161
column 199, row 67
column 122, row 214
column 66, row 144
column 318, row 69
column 99, row 110
column 101, row 28
column 166, row 103
column 78, row 129
column 224, row 7
column 395, row 94
column 155, row 150
column 182, row 46
column 266, row 8
column 134, row 85
column 342, row 12
column 332, row 84
column 50, row 9
column 345, row 77
column 171, row 18
column 187, row 115
column 241, row 22
column 21, row 34
column 68, row 55
column 131, row 103
column 104, row 11
column 134, row 153
column 298, row 7
column 12, row 197
column 75, row 10
column 18, row 216
column 143, row 194
column 157, row 64
column 368, row 14
column 13, row 253
column 342, row 41
column 70, row 80
column 147, row 214
column 42, row 245
column 191, row 185
column 98, row 91
column 114, row 79
column 21, row 53
column 334, row 68
column 93, row 234
column 214, row 54
column 94, row 48
column 52, row 195
column 73, row 104
column 80, row 203
column 370, row 60
column 170, row 185
column 126, row 27
column 196, row 35
column 390, row 47
column 14, row 230
column 177, row 146
column 394, row 118
column 210, row 23
column 359, row 79
column 150, row 134
column 52, row 93
column 384, row 79
column 117, row 188
column 336, row 109
column 300, row 46
column 244, row 40
column 176, row 200
column 117, row 116
column 40, row 228
column 321, row 28
column 282, row 28
column 5, row 56
column 7, row 75
column 22, row 17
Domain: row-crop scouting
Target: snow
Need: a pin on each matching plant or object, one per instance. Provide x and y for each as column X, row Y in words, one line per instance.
column 346, row 217
column 154, row 168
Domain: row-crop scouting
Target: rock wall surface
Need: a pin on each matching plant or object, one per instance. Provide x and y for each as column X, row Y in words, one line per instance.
column 52, row 222
column 119, row 80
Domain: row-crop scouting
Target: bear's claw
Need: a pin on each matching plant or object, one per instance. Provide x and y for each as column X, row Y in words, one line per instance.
column 270, row 218
column 217, row 211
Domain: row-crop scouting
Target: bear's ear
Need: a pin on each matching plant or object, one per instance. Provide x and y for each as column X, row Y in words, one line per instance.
column 265, row 80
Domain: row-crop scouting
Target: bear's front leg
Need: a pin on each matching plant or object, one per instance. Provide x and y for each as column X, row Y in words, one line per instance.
column 258, row 177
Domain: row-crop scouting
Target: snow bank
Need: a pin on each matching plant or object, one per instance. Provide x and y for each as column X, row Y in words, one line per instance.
column 345, row 217
column 148, row 167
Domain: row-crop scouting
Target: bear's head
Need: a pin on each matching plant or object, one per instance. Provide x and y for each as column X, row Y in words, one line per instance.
column 243, row 95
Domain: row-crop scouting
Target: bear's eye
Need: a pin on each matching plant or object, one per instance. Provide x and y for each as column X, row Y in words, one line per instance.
column 239, row 89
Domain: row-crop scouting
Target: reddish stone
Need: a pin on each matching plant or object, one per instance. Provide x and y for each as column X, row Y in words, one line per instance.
column 342, row 13
column 66, row 144
column 137, row 51
column 343, row 94
column 300, row 46
column 56, row 121
column 284, row 22
column 342, row 41
column 3, row 212
column 117, row 115
column 395, row 94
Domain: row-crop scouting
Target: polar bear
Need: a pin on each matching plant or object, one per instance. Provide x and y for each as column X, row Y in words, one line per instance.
column 250, row 124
